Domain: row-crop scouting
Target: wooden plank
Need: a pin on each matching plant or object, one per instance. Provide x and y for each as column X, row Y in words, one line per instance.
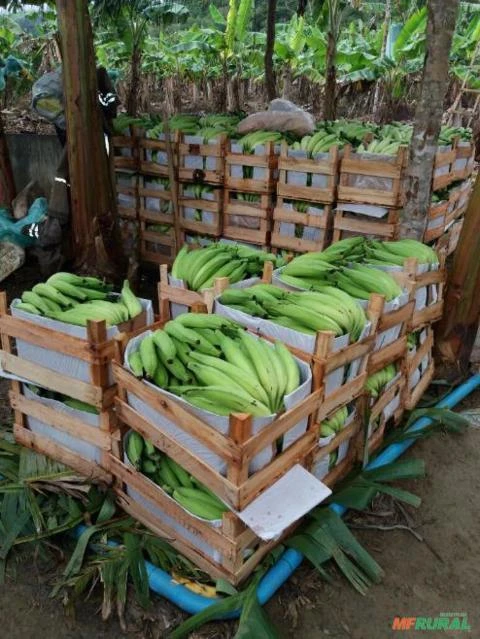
column 394, row 318
column 61, row 421
column 45, row 446
column 386, row 397
column 426, row 316
column 54, row 340
column 387, row 355
column 270, row 433
column 49, row 379
column 342, row 396
column 414, row 396
column 295, row 454
column 363, row 225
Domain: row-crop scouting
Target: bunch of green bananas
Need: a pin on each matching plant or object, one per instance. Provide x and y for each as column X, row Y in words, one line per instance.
column 306, row 311
column 413, row 340
column 250, row 141
column 215, row 365
column 380, row 147
column 335, row 424
column 200, row 267
column 173, row 479
column 395, row 253
column 74, row 299
column 320, row 142
column 449, row 133
column 377, row 382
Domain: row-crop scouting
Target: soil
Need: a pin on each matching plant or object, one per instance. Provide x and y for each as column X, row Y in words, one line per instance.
column 435, row 571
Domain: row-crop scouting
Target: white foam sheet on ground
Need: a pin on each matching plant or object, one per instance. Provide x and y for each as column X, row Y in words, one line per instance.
column 218, row 422
column 285, row 502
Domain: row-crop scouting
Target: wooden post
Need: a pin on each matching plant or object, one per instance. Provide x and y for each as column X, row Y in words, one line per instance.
column 96, row 240
column 456, row 333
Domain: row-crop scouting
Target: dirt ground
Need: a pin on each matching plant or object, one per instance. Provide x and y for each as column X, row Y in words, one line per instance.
column 438, row 574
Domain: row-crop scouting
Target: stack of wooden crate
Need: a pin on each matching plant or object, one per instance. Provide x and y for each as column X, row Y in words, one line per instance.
column 201, row 170
column 156, row 212
column 249, row 188
column 370, row 195
column 306, row 191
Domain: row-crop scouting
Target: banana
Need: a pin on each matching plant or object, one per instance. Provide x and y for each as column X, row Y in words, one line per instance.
column 130, row 300
column 197, row 508
column 235, row 355
column 165, row 345
column 160, row 377
column 149, row 356
column 135, row 448
column 180, row 473
column 48, row 291
column 135, row 362
column 67, row 289
column 203, row 320
column 28, row 308
column 208, row 270
column 262, row 367
column 236, row 375
column 190, row 336
column 29, row 297
column 290, row 367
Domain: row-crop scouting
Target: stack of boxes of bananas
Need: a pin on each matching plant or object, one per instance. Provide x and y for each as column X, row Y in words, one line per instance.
column 200, row 209
column 198, row 272
column 235, row 411
column 306, row 190
column 420, row 365
column 157, row 220
column 58, row 343
column 250, row 181
column 201, row 174
column 370, row 188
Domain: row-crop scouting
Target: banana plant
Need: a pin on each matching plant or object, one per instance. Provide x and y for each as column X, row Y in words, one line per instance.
column 129, row 20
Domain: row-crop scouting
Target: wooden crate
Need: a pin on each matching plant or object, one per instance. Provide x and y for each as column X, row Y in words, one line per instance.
column 126, row 152
column 370, row 179
column 157, row 247
column 245, row 220
column 437, row 216
column 171, row 296
column 420, row 369
column 262, row 165
column 154, row 156
column 347, row 224
column 208, row 208
column 387, row 409
column 464, row 164
column 301, row 232
column 236, row 449
column 200, row 162
column 443, row 168
column 454, row 235
column 231, row 551
column 308, row 179
column 156, row 203
column 97, row 352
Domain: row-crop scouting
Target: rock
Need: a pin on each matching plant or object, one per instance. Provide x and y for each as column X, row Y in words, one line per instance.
column 280, row 104
column 12, row 257
column 299, row 122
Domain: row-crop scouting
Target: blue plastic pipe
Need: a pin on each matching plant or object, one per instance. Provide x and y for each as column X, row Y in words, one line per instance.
column 162, row 584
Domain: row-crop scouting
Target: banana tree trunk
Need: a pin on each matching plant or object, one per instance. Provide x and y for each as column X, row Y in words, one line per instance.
column 442, row 15
column 135, row 64
column 7, row 182
column 378, row 84
column 270, row 82
column 456, row 333
column 330, row 103
column 301, row 7
column 95, row 235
